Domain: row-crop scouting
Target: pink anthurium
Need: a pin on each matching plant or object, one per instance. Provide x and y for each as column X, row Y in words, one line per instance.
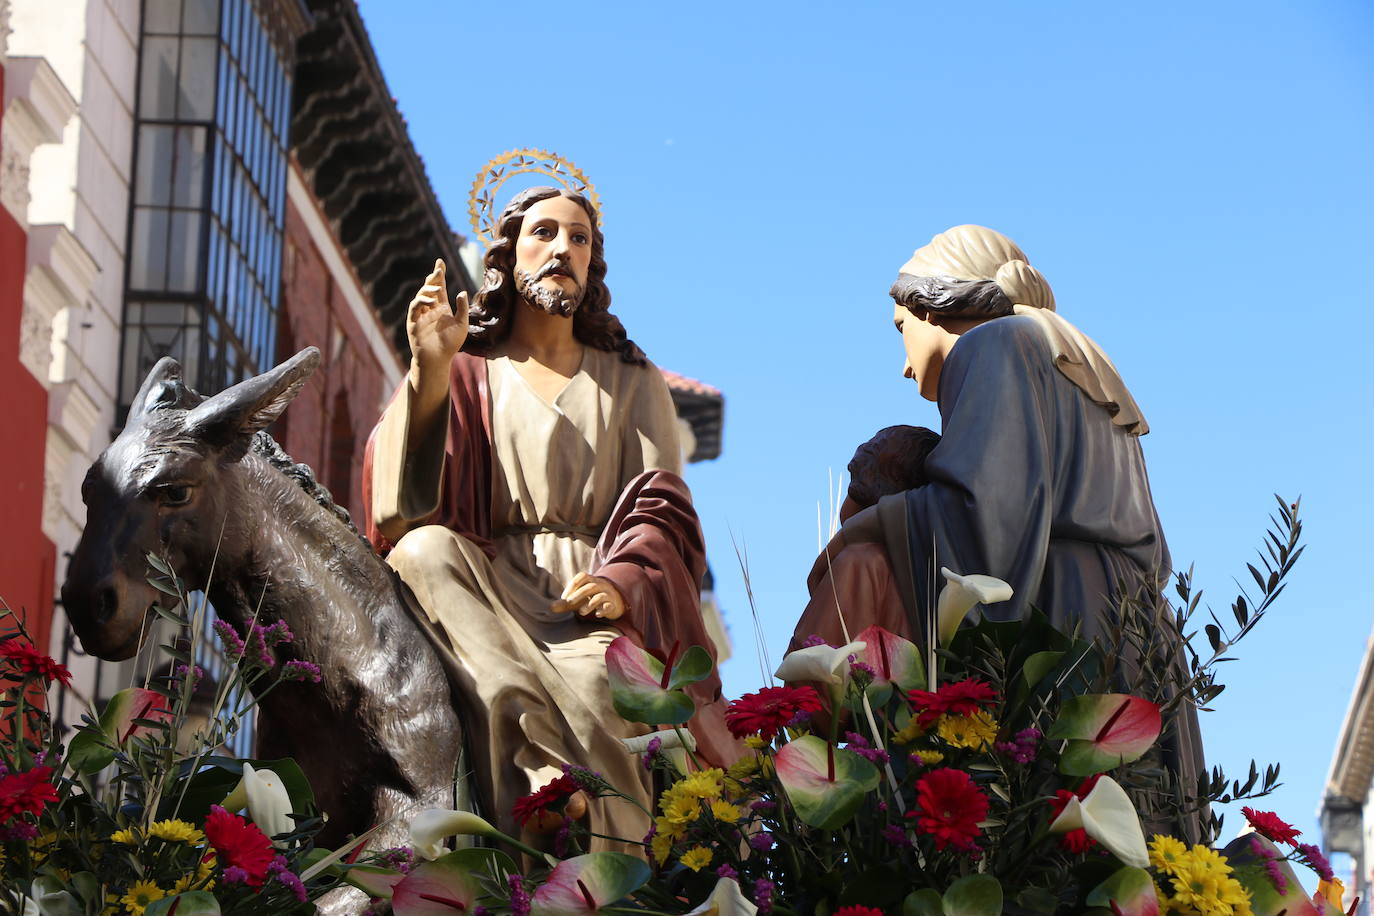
column 1128, row 892
column 825, row 784
column 1104, row 731
column 443, row 887
column 894, row 660
column 647, row 688
column 127, row 716
column 582, row 885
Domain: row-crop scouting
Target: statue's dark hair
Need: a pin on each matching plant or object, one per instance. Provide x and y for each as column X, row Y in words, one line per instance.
column 950, row 298
column 892, row 461
column 493, row 308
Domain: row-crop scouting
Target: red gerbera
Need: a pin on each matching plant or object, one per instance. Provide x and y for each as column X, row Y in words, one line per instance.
column 1269, row 825
column 1076, row 840
column 541, row 800
column 856, row 910
column 25, row 793
column 239, row 844
column 951, row 808
column 765, row 712
column 29, row 660
column 958, row 699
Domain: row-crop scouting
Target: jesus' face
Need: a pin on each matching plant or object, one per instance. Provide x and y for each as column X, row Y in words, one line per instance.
column 552, row 255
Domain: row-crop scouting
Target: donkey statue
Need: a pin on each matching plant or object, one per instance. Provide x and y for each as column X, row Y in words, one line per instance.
column 195, row 480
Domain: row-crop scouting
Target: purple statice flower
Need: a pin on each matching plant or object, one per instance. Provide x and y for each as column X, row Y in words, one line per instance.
column 399, row 858
column 295, row 670
column 1312, row 857
column 761, row 841
column 855, row 740
column 4, row 770
column 763, row 804
column 862, row 668
column 588, row 780
column 561, row 838
column 1022, row 747
column 895, row 835
column 257, row 646
column 651, row 752
column 278, row 634
column 195, row 673
column 813, row 640
column 480, row 910
column 763, row 896
column 19, row 832
column 229, row 640
column 281, row 870
column 235, row 875
column 649, row 837
column 1271, row 865
column 882, row 807
column 801, row 720
column 727, row 871
column 519, row 897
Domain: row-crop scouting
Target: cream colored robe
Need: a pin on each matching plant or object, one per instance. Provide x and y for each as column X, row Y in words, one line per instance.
column 533, row 683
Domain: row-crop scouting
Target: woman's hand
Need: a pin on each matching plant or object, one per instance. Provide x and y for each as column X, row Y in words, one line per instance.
column 591, row 596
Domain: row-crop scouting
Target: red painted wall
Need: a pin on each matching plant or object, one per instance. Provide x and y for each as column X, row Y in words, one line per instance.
column 327, row 425
column 26, row 555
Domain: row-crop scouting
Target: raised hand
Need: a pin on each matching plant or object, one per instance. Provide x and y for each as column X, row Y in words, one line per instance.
column 436, row 331
column 591, row 596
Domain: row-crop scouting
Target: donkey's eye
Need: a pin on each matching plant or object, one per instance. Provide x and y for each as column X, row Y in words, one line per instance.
column 174, row 494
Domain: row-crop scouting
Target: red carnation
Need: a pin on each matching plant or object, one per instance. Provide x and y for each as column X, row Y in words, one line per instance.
column 1269, row 825
column 25, row 793
column 856, row 910
column 239, row 844
column 541, row 800
column 765, row 712
column 951, row 808
column 959, row 699
column 29, row 660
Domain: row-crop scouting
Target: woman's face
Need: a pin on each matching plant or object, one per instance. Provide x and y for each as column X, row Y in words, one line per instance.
column 925, row 348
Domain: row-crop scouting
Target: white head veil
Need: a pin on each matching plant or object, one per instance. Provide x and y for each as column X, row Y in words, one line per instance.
column 978, row 253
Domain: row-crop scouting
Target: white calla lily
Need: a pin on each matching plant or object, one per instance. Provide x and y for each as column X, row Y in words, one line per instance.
column 823, row 664
column 1108, row 816
column 726, row 900
column 959, row 596
column 668, row 740
column 264, row 795
column 430, row 828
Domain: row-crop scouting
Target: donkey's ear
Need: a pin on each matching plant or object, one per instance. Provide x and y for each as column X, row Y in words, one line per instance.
column 158, row 390
column 235, row 414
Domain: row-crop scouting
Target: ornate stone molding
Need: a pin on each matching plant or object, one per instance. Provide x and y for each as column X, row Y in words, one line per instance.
column 37, row 109
column 5, row 29
column 60, row 274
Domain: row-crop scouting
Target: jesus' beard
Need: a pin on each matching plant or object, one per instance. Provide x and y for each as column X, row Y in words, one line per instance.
column 553, row 301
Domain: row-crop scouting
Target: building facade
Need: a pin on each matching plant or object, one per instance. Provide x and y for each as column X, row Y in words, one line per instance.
column 1347, row 808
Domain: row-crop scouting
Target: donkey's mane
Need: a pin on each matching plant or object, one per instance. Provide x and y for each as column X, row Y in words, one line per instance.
column 267, row 448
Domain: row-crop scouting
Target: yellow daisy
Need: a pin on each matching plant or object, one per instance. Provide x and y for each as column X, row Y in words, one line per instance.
column 661, row 846
column 929, row 758
column 669, row 829
column 724, row 811
column 975, row 731
column 696, row 858
column 743, row 768
column 908, row 734
column 175, row 831
column 128, row 837
column 755, row 742
column 703, row 783
column 682, row 810
column 140, row 895
column 1167, row 853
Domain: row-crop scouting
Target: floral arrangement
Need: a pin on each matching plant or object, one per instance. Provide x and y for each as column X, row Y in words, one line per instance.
column 138, row 814
column 1012, row 768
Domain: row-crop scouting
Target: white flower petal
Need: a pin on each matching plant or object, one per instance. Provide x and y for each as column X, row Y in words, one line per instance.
column 430, row 828
column 726, row 900
column 959, row 596
column 824, row 664
column 1108, row 816
column 269, row 804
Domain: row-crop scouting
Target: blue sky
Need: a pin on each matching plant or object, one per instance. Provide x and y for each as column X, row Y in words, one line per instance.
column 1193, row 179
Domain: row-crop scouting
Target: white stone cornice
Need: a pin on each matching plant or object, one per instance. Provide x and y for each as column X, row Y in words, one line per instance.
column 4, row 28
column 54, row 246
column 73, row 415
column 33, row 82
column 59, row 276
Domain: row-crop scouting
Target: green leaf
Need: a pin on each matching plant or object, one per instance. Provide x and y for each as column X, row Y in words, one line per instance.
column 925, row 902
column 974, row 895
column 191, row 903
column 1039, row 665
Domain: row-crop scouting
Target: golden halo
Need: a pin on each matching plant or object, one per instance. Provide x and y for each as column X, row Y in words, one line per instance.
column 522, row 162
